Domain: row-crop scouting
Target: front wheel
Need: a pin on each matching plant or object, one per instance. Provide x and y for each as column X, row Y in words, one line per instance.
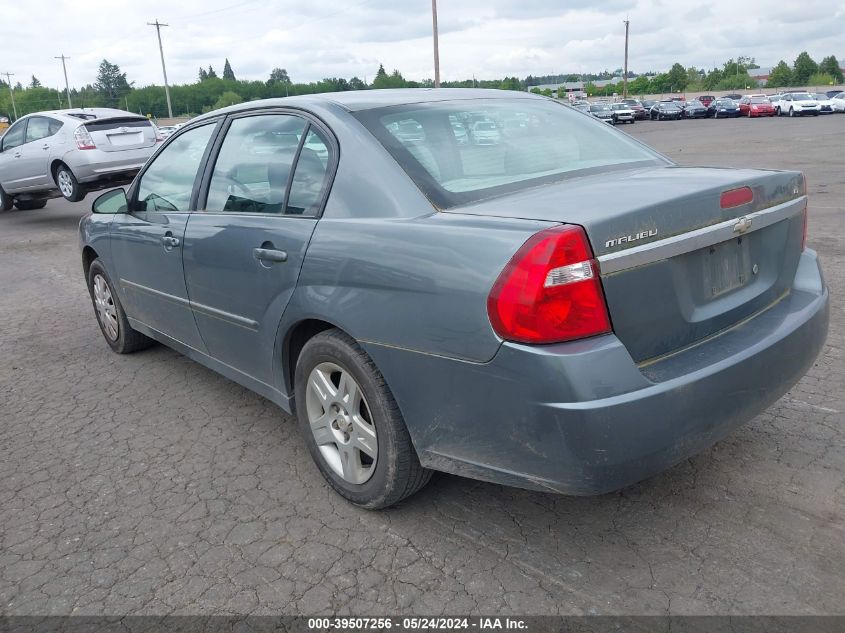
column 352, row 425
column 110, row 315
column 68, row 184
column 6, row 201
column 791, row 112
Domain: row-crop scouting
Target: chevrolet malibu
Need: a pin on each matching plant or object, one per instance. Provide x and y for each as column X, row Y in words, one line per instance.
column 565, row 310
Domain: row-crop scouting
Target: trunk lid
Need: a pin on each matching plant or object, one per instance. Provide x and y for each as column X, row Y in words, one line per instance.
column 676, row 267
column 115, row 134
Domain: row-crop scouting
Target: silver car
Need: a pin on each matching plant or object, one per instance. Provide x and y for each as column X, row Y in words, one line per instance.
column 71, row 152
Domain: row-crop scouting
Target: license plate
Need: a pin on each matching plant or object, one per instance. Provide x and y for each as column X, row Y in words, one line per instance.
column 126, row 139
column 727, row 266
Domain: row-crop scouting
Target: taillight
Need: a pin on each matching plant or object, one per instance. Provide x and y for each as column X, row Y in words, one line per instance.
column 83, row 138
column 159, row 137
column 549, row 291
column 736, row 197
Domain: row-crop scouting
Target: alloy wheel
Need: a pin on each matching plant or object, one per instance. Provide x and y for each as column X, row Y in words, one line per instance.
column 341, row 422
column 65, row 183
column 106, row 310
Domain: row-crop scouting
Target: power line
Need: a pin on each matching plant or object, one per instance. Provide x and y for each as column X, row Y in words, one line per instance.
column 67, row 86
column 11, row 92
column 158, row 26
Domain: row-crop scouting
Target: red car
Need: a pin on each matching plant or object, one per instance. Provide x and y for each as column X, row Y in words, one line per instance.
column 707, row 99
column 756, row 105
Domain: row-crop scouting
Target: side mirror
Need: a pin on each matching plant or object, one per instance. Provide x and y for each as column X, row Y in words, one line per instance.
column 111, row 202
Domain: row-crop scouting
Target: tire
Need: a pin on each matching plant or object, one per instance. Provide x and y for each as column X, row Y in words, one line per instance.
column 749, row 114
column 28, row 205
column 6, row 201
column 792, row 112
column 126, row 340
column 68, row 185
column 373, row 481
column 715, row 115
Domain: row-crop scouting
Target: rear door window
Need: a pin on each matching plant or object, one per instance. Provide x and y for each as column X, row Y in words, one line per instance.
column 41, row 127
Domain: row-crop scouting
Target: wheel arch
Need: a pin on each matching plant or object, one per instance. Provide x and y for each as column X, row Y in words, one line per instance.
column 54, row 167
column 88, row 257
column 295, row 339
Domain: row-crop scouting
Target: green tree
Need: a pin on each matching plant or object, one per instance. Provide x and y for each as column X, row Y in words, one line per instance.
column 211, row 74
column 111, row 84
column 678, row 78
column 393, row 80
column 356, row 84
column 381, row 75
column 820, row 80
column 830, row 66
column 279, row 76
column 226, row 99
column 228, row 73
column 203, row 74
column 511, row 83
column 34, row 83
column 804, row 67
column 780, row 76
column 639, row 86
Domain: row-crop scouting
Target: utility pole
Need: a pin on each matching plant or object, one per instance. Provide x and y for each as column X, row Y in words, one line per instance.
column 11, row 92
column 67, row 86
column 158, row 26
column 436, row 44
column 625, row 72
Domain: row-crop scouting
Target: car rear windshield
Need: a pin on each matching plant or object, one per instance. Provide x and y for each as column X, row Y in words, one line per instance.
column 552, row 142
column 759, row 100
column 102, row 125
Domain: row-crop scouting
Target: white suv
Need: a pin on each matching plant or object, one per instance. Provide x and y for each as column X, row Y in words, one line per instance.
column 798, row 104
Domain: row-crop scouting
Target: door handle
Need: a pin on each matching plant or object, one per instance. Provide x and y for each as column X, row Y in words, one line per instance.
column 17, row 155
column 169, row 240
column 45, row 146
column 269, row 255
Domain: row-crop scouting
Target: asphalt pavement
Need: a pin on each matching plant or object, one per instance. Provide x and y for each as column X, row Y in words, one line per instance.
column 147, row 484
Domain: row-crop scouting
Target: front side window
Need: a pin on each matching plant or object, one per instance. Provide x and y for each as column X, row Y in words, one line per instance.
column 254, row 165
column 168, row 182
column 41, row 127
column 14, row 136
column 551, row 142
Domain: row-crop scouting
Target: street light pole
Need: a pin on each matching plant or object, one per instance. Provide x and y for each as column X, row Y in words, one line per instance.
column 67, row 86
column 158, row 26
column 11, row 92
column 436, row 44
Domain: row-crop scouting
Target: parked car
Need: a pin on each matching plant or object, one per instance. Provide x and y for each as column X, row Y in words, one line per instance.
column 622, row 113
column 460, row 131
column 775, row 100
column 4, row 124
column 648, row 104
column 798, row 104
column 663, row 110
column 694, row 110
column 485, row 133
column 838, row 102
column 583, row 107
column 832, row 93
column 756, row 106
column 733, row 97
column 825, row 103
column 420, row 307
column 723, row 109
column 603, row 112
column 166, row 130
column 71, row 152
column 640, row 113
column 707, row 99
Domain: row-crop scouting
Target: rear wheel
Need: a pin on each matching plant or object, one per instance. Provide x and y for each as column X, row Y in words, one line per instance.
column 352, row 425
column 6, row 201
column 791, row 112
column 26, row 205
column 68, row 185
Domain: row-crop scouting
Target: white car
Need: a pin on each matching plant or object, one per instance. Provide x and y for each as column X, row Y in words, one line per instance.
column 167, row 130
column 798, row 104
column 825, row 103
column 838, row 102
column 485, row 133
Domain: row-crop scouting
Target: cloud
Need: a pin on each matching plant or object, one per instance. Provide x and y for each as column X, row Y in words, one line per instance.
column 342, row 38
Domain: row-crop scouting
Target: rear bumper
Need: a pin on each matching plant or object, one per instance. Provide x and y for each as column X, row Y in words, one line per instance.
column 93, row 165
column 581, row 418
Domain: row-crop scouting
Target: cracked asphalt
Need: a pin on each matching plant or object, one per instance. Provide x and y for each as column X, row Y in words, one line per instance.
column 146, row 484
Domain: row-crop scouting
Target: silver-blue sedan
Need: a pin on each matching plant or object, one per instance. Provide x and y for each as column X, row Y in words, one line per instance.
column 563, row 310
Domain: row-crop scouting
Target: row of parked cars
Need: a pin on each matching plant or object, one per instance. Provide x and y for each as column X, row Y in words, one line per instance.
column 793, row 103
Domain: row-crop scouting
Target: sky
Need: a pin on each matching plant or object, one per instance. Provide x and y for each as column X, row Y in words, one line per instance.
column 344, row 38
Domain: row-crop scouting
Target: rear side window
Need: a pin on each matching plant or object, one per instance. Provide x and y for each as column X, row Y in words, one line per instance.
column 309, row 178
column 511, row 144
column 253, row 167
column 41, row 127
column 168, row 183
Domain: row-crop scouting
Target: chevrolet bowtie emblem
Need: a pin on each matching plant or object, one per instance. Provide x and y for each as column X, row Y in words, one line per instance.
column 742, row 225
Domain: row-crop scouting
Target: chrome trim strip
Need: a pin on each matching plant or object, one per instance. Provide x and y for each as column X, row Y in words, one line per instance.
column 157, row 293
column 694, row 240
column 199, row 307
column 216, row 313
